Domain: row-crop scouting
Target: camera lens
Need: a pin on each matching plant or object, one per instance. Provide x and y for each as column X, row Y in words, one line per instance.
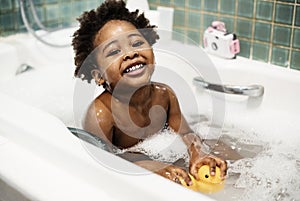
column 214, row 46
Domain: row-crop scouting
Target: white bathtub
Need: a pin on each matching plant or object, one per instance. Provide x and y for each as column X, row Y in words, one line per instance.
column 42, row 160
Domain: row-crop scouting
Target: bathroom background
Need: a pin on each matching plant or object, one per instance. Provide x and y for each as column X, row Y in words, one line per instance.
column 268, row 30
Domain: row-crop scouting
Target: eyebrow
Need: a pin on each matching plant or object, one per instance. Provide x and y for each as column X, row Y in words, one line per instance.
column 134, row 34
column 107, row 45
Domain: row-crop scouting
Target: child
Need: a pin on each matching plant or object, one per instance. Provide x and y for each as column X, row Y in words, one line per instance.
column 132, row 107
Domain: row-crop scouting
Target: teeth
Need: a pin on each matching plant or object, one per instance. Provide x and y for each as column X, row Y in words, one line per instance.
column 133, row 68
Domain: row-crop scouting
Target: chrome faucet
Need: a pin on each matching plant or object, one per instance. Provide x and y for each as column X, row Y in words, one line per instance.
column 250, row 90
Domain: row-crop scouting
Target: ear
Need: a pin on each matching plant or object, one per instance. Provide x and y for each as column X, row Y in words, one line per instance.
column 97, row 77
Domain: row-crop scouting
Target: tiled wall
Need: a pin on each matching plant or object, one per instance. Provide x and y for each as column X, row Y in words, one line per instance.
column 52, row 13
column 269, row 30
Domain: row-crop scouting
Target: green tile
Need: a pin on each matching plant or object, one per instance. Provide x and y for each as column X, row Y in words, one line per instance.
column 260, row 52
column 179, row 18
column 262, row 31
column 178, row 34
column 229, row 23
column 194, row 37
column 152, row 6
column 194, row 20
column 245, row 8
column 296, row 41
column 297, row 22
column 284, row 14
column 289, row 1
column 264, row 10
column 195, row 4
column 50, row 1
column 6, row 5
column 208, row 19
column 152, row 1
column 164, row 2
column 78, row 8
column 16, row 6
column 282, row 35
column 244, row 28
column 179, row 3
column 245, row 47
column 295, row 60
column 52, row 12
column 280, row 56
column 227, row 6
column 7, row 21
column 53, row 24
column 92, row 5
column 19, row 21
column 211, row 5
column 65, row 10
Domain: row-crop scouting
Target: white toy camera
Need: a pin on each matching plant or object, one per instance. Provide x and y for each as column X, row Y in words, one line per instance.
column 219, row 42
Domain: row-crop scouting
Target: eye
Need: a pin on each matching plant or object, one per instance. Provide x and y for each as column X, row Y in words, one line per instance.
column 113, row 52
column 138, row 43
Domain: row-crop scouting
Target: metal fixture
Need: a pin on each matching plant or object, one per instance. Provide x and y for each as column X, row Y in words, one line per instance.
column 250, row 90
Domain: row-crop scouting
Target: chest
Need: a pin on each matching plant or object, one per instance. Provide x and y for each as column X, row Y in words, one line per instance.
column 133, row 123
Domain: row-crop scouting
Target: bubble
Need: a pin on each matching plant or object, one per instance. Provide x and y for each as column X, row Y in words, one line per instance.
column 164, row 146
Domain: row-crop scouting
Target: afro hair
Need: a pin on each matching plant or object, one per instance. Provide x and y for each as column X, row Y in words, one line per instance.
column 92, row 21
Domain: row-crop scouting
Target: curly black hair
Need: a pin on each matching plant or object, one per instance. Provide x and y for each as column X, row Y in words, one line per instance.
column 92, row 21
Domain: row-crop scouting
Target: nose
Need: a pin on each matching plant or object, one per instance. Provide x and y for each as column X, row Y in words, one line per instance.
column 130, row 55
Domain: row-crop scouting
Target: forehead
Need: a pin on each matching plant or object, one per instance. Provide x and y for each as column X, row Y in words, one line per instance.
column 113, row 29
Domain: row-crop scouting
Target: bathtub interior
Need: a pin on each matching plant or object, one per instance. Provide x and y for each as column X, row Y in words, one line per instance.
column 51, row 88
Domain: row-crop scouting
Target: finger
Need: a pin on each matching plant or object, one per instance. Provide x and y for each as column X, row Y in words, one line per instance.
column 212, row 166
column 194, row 170
column 223, row 168
column 196, row 166
column 182, row 174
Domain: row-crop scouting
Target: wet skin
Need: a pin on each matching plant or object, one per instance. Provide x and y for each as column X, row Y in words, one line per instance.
column 132, row 107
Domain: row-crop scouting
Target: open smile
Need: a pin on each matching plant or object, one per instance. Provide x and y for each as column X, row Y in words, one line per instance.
column 134, row 69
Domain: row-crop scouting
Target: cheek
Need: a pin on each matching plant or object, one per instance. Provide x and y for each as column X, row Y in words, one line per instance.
column 150, row 56
column 112, row 72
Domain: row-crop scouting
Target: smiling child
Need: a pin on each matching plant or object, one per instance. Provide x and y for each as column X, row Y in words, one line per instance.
column 132, row 107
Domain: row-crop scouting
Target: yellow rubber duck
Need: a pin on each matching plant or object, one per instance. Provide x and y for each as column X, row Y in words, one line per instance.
column 206, row 182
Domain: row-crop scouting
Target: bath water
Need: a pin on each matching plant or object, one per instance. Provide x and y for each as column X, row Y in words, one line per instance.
column 257, row 169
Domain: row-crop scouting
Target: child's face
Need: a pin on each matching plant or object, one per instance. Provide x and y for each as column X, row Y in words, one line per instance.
column 124, row 56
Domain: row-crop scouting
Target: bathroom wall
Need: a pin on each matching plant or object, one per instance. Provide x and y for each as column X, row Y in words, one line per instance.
column 52, row 13
column 268, row 30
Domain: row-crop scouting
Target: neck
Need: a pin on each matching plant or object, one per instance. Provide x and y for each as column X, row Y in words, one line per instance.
column 134, row 96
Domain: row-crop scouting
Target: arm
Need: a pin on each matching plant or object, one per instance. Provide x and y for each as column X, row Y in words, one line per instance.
column 197, row 158
column 98, row 120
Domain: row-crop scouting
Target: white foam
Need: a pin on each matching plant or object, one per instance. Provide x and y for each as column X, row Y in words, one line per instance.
column 272, row 175
column 165, row 146
column 271, row 171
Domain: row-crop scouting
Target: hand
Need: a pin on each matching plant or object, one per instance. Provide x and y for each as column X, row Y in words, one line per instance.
column 175, row 174
column 198, row 158
column 197, row 161
column 168, row 171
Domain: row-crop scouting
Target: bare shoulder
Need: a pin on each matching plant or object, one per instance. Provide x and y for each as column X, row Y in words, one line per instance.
column 98, row 112
column 163, row 88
